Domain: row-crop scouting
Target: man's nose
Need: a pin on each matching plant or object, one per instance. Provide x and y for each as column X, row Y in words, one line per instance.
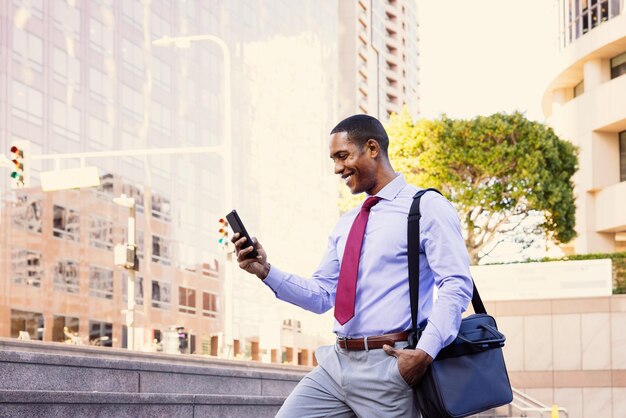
column 338, row 168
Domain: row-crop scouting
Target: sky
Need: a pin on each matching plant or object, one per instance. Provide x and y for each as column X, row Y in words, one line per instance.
column 479, row 57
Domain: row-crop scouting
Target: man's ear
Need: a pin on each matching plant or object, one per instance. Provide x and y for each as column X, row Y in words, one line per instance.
column 373, row 147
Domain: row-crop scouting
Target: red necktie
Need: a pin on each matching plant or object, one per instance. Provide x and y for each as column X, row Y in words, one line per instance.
column 346, row 288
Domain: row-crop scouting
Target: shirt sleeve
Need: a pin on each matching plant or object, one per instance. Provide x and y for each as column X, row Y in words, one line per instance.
column 445, row 250
column 316, row 294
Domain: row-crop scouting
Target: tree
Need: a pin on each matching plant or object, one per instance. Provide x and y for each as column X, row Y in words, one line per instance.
column 497, row 171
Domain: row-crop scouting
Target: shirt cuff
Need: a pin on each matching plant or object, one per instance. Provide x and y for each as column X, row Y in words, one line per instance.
column 274, row 278
column 430, row 343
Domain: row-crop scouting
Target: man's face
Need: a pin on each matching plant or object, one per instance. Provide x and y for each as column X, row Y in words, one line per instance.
column 356, row 166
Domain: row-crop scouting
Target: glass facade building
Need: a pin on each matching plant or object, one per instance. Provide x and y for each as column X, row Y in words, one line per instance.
column 83, row 77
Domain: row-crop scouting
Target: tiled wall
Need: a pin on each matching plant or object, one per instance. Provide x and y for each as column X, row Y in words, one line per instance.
column 569, row 352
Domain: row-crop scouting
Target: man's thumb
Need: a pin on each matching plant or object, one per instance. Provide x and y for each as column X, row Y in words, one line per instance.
column 390, row 350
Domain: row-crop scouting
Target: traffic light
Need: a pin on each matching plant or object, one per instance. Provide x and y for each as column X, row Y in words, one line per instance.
column 183, row 341
column 223, row 233
column 20, row 164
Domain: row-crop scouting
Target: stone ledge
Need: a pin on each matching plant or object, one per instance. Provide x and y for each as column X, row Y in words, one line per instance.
column 103, row 353
column 151, row 365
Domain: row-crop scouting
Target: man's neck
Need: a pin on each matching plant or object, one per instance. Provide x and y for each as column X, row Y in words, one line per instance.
column 386, row 177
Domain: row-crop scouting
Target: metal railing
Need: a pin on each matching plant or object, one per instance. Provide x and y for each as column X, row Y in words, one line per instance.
column 523, row 406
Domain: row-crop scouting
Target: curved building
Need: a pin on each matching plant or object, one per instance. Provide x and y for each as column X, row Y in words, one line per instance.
column 586, row 103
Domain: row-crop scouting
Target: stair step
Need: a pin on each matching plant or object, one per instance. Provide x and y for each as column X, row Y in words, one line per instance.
column 28, row 403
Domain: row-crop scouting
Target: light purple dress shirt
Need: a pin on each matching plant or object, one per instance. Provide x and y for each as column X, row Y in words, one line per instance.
column 382, row 295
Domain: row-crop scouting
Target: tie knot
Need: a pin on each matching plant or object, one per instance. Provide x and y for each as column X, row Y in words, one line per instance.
column 369, row 202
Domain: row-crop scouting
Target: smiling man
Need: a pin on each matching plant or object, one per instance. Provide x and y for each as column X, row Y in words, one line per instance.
column 364, row 276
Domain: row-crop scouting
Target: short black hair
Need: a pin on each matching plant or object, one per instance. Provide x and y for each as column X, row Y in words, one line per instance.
column 361, row 128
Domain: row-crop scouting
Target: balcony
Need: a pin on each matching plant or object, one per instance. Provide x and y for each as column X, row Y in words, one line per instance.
column 610, row 206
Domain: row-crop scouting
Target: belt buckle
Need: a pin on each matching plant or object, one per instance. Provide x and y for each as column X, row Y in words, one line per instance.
column 345, row 342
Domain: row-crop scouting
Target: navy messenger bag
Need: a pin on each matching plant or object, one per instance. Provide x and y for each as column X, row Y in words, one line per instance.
column 469, row 375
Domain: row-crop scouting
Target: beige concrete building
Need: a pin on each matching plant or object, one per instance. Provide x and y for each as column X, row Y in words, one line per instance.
column 586, row 103
column 378, row 57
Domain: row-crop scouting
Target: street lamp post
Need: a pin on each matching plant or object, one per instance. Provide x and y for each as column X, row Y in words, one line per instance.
column 128, row 261
column 184, row 42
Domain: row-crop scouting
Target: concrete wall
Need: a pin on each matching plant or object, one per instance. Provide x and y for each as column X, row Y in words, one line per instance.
column 570, row 352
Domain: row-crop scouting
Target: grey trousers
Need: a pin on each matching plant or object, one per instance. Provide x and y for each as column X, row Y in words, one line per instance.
column 345, row 383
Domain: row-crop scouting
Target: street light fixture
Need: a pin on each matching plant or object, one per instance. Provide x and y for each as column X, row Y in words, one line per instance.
column 184, row 42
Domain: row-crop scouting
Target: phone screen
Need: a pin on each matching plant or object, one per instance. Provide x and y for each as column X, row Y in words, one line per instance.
column 237, row 226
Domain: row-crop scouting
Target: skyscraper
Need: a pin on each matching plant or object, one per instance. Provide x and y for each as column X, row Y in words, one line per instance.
column 378, row 57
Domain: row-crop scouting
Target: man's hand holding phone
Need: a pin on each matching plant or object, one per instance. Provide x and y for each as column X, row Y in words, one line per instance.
column 256, row 265
column 250, row 254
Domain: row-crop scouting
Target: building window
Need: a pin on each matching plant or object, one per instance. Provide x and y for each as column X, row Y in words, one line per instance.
column 27, row 49
column 27, row 212
column 132, row 58
column 292, row 325
column 162, row 73
column 618, row 65
column 161, row 250
column 161, row 118
column 26, row 267
column 622, row 155
column 67, row 19
column 66, row 276
column 161, row 208
column 66, row 69
column 100, row 37
column 136, row 192
column 101, row 333
column 65, row 329
column 132, row 103
column 187, row 300
column 100, row 133
column 100, row 282
column 133, row 13
column 100, row 86
column 138, row 289
column 27, row 103
column 101, row 233
column 159, row 26
column 65, row 120
column 66, row 223
column 27, row 325
column 139, row 236
column 579, row 88
column 161, row 295
column 34, row 7
column 211, row 269
column 209, row 305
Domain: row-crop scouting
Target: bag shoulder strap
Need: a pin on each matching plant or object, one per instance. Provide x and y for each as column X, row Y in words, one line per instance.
column 413, row 246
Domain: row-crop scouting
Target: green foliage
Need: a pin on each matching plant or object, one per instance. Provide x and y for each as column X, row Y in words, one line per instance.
column 496, row 170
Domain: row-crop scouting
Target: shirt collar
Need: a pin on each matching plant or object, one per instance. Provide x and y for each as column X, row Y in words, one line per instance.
column 391, row 190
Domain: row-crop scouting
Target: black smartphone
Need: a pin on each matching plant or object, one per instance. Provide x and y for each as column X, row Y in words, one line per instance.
column 237, row 226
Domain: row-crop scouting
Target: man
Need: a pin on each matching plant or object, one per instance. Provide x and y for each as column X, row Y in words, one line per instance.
column 364, row 274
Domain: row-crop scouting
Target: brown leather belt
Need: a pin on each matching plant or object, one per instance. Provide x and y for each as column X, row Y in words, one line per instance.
column 373, row 342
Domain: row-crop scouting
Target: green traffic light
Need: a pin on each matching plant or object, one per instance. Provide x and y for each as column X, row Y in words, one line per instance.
column 15, row 175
